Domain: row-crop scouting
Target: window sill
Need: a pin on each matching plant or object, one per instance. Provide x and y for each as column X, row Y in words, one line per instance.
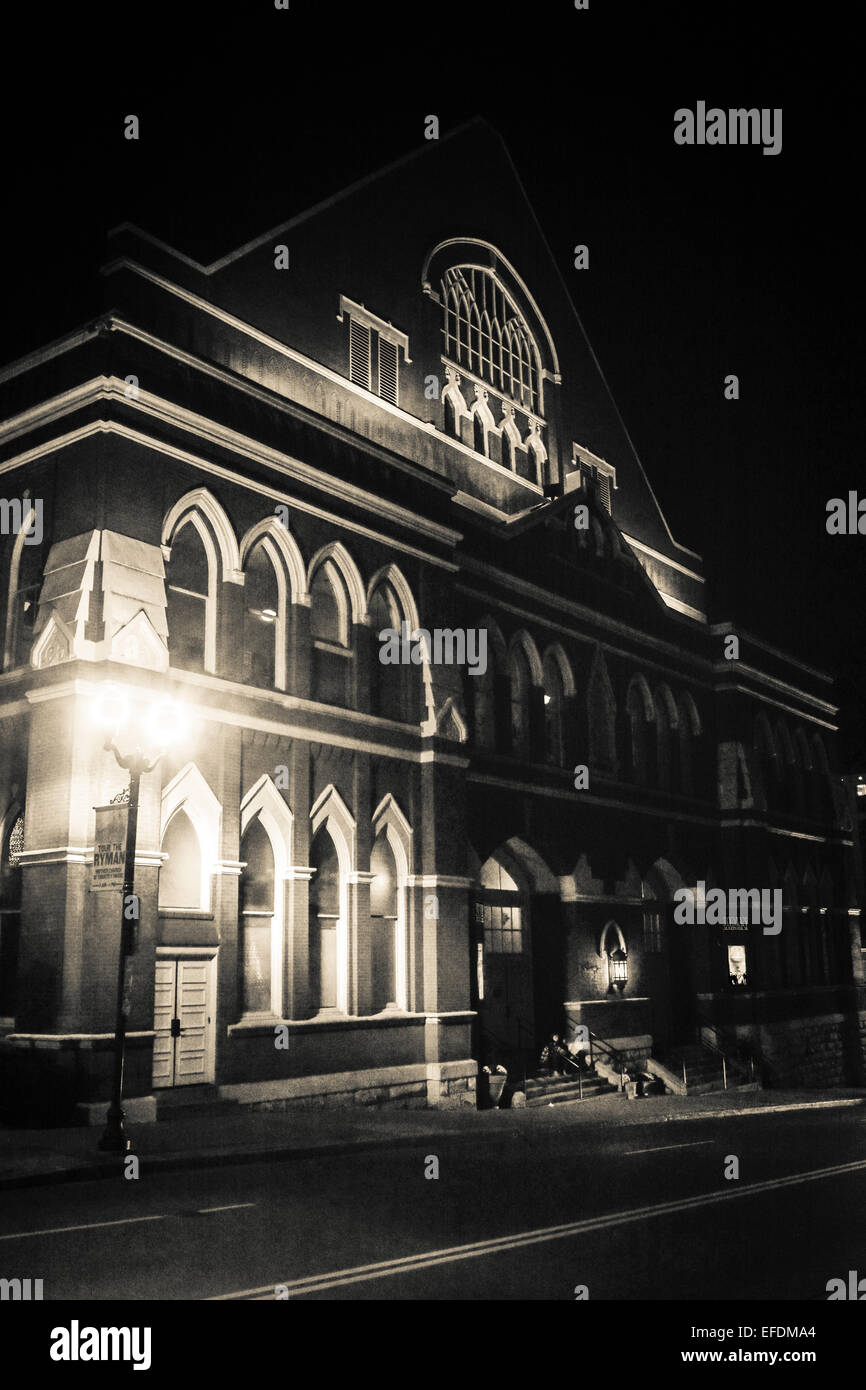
column 196, row 912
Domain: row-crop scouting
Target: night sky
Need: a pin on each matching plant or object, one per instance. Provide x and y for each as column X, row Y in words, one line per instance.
column 703, row 261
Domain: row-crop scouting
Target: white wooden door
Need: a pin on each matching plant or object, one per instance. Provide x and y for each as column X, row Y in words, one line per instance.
column 182, row 1022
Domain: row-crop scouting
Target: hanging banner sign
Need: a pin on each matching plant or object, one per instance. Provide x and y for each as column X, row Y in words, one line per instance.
column 109, row 848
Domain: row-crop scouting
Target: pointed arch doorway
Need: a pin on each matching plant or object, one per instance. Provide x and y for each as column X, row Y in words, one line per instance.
column 502, row 990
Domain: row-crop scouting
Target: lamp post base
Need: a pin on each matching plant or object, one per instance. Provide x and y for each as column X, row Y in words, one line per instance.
column 114, row 1139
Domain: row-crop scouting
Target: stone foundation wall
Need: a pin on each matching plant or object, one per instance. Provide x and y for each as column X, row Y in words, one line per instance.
column 815, row 1052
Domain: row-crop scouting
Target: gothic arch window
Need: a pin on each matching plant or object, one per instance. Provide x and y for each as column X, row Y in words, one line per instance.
column 601, row 712
column 181, row 872
column 26, row 565
column 821, row 774
column 653, row 920
column 389, row 684
column 639, row 708
column 326, row 911
column 266, row 853
column 767, row 760
column 484, row 331
column 330, row 629
column 689, row 730
column 256, row 913
column 666, row 732
column 522, row 680
column 384, row 924
column 390, row 864
column 201, row 549
column 557, row 685
column 806, row 771
column 11, row 847
column 502, row 912
column 191, row 588
column 190, row 818
column 264, row 619
column 332, row 856
column 786, row 765
column 274, row 580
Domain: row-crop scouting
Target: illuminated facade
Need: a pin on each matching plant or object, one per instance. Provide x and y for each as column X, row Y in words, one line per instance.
column 361, row 881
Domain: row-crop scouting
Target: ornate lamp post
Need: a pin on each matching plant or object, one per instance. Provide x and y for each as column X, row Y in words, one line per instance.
column 162, row 728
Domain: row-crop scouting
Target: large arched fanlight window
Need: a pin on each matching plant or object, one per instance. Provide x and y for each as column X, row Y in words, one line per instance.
column 483, row 331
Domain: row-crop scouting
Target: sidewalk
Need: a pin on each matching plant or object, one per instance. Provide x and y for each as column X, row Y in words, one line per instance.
column 31, row 1157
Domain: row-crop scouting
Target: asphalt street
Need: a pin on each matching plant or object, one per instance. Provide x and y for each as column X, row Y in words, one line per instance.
column 533, row 1212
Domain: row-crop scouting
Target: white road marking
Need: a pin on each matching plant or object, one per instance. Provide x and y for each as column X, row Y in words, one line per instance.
column 695, row 1144
column 89, row 1226
column 318, row 1283
column 234, row 1206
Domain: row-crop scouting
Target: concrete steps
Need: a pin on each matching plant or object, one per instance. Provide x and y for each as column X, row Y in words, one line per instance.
column 555, row 1090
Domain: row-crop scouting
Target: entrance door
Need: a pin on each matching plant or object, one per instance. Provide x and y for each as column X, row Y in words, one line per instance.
column 503, row 979
column 183, row 1021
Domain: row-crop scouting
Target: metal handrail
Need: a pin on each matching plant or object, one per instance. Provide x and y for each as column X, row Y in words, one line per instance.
column 742, row 1061
column 612, row 1052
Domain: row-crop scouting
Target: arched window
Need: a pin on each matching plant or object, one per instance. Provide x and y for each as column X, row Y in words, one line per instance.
column 384, row 923
column 653, row 921
column 483, row 688
column 388, row 683
column 191, row 595
column 638, row 710
column 483, row 330
column 805, row 771
column 479, row 433
column 521, row 703
column 26, row 566
column 821, row 774
column 666, row 730
column 263, row 618
column 330, row 617
column 181, row 874
column 554, row 711
column 689, row 728
column 601, row 711
column 256, row 908
column 767, row 762
column 325, row 909
column 11, row 846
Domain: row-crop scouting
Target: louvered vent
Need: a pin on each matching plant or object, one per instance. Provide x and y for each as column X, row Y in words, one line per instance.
column 388, row 371
column 604, row 490
column 359, row 353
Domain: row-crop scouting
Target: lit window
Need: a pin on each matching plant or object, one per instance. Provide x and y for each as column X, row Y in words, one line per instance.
column 484, row 332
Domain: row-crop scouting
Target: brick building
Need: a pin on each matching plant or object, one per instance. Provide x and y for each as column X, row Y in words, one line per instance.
column 385, row 412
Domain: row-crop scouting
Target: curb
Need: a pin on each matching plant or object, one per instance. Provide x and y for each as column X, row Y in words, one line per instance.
column 216, row 1158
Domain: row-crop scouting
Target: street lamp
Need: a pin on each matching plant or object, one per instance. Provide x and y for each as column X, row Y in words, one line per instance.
column 164, row 726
